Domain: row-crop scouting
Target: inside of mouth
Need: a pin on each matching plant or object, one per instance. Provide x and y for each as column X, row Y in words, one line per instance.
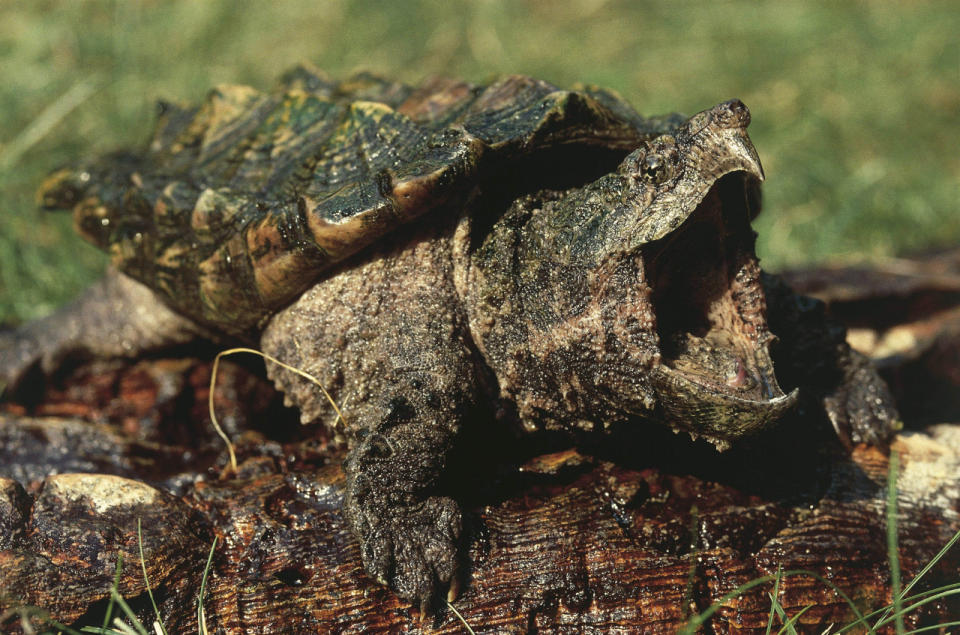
column 707, row 298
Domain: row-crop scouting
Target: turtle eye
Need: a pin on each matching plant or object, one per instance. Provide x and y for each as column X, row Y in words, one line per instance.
column 655, row 168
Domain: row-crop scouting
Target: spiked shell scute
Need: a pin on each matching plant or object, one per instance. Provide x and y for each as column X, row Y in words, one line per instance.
column 238, row 205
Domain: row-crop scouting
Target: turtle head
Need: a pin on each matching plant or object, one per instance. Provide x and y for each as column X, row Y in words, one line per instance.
column 639, row 293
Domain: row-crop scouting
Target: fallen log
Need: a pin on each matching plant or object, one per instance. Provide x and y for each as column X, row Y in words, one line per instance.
column 638, row 533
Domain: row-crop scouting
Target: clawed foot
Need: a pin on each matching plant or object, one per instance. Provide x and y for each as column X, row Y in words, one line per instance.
column 413, row 549
column 862, row 409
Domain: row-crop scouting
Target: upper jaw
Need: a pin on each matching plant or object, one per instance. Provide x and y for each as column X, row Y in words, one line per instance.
column 709, row 146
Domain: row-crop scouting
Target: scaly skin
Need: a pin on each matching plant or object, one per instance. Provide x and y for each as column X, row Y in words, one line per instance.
column 388, row 339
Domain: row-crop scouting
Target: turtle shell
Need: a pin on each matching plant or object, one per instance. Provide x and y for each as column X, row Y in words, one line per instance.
column 240, row 204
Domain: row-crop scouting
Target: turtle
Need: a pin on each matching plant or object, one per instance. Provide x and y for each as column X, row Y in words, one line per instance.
column 451, row 255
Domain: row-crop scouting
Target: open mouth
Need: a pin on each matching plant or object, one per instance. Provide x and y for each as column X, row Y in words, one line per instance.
column 715, row 377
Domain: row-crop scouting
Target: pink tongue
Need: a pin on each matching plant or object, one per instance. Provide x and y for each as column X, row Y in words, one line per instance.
column 735, row 380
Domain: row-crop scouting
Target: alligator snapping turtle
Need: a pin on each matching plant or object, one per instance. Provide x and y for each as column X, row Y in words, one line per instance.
column 427, row 252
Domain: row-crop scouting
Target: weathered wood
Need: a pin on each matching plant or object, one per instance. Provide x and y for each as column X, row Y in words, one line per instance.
column 905, row 314
column 632, row 535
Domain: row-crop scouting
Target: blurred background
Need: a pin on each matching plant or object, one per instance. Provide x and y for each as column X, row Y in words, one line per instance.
column 856, row 105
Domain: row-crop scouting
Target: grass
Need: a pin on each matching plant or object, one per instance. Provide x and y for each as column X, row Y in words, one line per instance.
column 854, row 103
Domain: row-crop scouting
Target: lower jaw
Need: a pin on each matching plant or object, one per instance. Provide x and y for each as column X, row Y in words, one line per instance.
column 717, row 415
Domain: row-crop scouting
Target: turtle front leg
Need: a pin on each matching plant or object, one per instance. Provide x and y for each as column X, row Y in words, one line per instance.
column 388, row 339
column 813, row 353
column 408, row 530
column 116, row 317
column 402, row 423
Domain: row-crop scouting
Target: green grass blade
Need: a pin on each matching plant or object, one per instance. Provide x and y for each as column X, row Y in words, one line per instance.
column 43, row 615
column 201, row 617
column 123, row 628
column 788, row 626
column 932, row 563
column 777, row 609
column 885, row 611
column 935, row 627
column 136, row 623
column 146, row 580
column 460, row 617
column 698, row 620
column 113, row 592
column 774, row 603
column 898, row 616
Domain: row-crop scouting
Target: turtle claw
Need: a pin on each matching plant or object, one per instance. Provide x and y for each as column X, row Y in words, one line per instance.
column 454, row 591
column 424, row 611
column 413, row 550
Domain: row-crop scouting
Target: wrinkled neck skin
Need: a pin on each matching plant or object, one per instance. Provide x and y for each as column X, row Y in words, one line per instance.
column 564, row 321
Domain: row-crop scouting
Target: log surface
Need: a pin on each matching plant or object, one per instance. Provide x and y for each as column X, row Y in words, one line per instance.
column 636, row 534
